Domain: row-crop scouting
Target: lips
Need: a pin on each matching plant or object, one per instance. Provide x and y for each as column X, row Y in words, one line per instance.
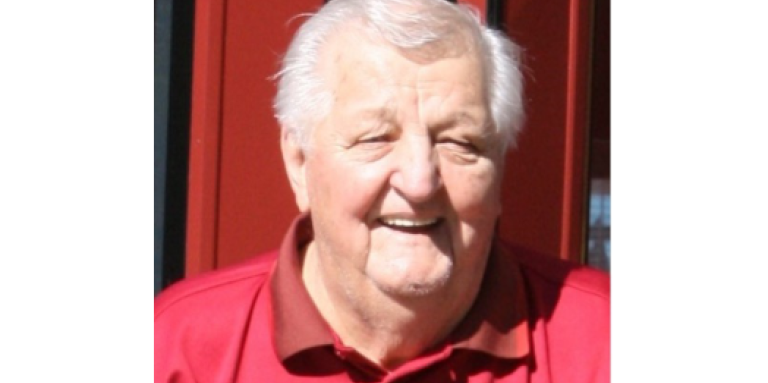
column 410, row 224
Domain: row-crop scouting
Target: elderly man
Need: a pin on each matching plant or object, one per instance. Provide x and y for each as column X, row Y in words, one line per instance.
column 395, row 117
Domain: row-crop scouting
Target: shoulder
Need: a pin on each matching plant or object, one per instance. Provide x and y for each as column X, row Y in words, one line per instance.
column 563, row 292
column 547, row 271
column 569, row 307
column 199, row 321
column 230, row 285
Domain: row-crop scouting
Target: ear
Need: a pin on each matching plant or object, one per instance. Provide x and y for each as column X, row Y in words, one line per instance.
column 295, row 160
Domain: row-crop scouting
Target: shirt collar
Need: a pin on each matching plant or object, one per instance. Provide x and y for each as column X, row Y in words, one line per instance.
column 297, row 324
column 496, row 324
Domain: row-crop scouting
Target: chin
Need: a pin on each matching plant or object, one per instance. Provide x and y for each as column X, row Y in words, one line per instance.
column 409, row 288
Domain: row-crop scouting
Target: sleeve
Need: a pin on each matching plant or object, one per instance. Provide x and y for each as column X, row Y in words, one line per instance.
column 171, row 363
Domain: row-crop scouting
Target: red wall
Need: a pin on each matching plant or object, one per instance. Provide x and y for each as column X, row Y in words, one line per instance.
column 239, row 199
column 546, row 181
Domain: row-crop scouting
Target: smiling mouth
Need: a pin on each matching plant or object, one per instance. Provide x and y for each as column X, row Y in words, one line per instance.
column 410, row 224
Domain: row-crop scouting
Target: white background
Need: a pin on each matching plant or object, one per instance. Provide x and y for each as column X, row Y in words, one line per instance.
column 689, row 184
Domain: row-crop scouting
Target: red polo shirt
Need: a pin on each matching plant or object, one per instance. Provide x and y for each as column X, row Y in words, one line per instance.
column 536, row 319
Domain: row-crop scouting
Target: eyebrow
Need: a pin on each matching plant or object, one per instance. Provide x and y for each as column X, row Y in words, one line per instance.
column 464, row 116
column 381, row 113
column 388, row 115
column 459, row 118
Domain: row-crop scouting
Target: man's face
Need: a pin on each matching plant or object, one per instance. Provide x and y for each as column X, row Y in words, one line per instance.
column 402, row 178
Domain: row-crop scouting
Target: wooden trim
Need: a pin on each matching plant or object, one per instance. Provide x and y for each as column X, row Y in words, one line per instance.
column 573, row 223
column 205, row 134
column 494, row 14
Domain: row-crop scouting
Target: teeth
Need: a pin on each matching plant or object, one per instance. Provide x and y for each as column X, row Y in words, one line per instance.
column 406, row 222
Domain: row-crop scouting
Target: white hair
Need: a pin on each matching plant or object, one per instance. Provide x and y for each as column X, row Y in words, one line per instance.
column 302, row 100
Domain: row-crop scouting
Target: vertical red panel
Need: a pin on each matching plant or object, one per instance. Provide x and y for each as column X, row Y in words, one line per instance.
column 239, row 199
column 575, row 172
column 544, row 188
column 256, row 203
column 204, row 136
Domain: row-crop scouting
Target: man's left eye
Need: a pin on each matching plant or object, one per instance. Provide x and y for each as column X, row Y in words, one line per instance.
column 460, row 145
column 374, row 139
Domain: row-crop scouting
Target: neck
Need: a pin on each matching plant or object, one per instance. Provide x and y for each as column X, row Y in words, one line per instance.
column 385, row 329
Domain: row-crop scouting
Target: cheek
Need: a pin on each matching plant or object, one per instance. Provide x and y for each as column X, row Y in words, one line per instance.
column 475, row 195
column 345, row 187
column 476, row 205
column 319, row 183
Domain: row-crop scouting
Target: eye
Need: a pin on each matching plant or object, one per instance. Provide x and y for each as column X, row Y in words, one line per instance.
column 461, row 146
column 374, row 139
column 375, row 143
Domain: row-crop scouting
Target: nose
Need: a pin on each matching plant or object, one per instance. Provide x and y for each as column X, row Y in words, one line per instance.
column 417, row 175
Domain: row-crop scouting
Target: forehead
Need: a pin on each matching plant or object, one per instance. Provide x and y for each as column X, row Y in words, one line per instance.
column 356, row 66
